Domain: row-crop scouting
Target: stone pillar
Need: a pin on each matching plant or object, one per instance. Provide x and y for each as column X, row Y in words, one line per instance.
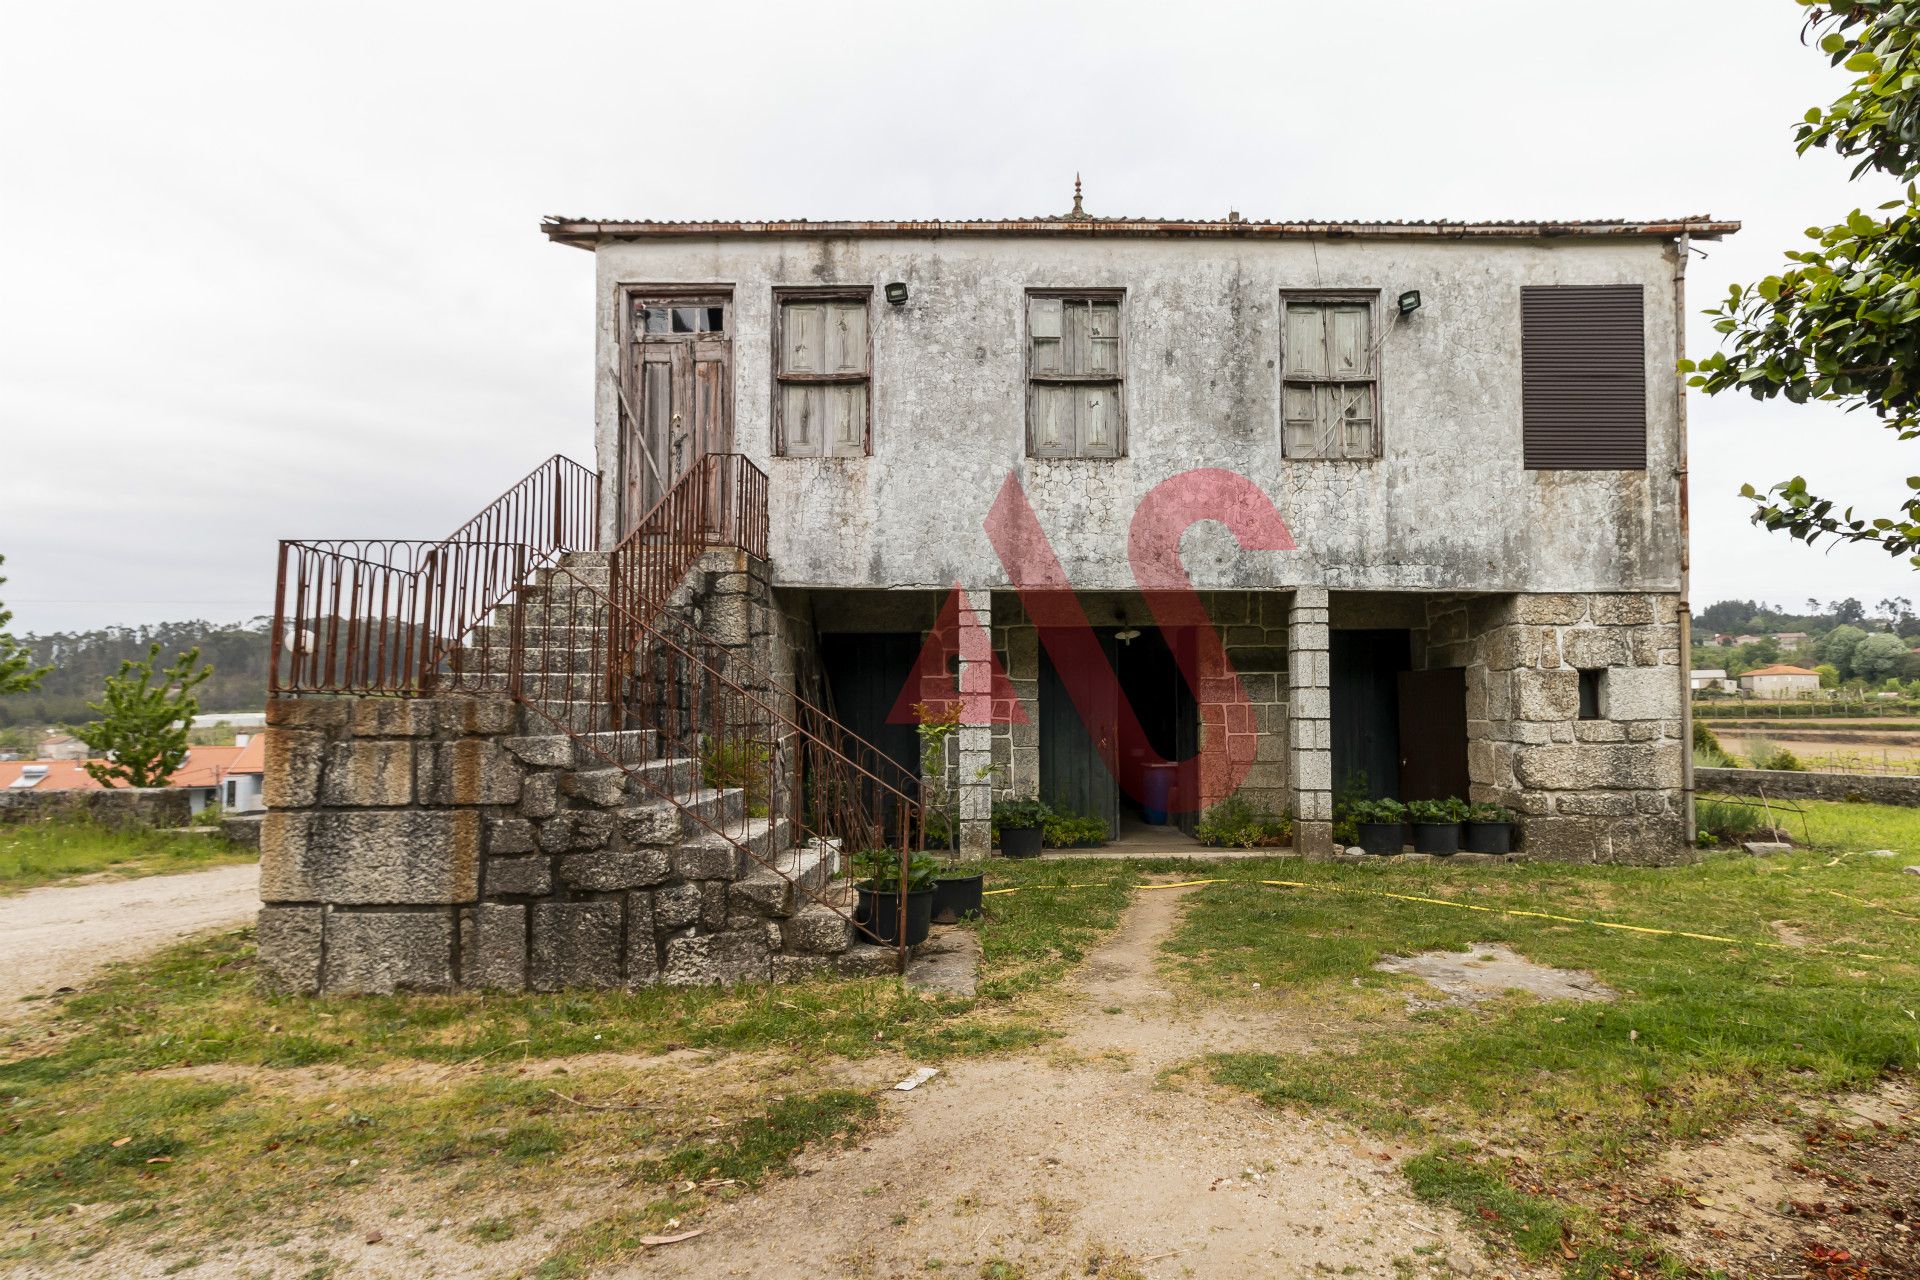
column 1309, row 723
column 973, row 744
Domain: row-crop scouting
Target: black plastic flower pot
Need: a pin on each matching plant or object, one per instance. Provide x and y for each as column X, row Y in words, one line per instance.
column 1442, row 838
column 1381, row 837
column 957, row 897
column 1487, row 837
column 1021, row 842
column 877, row 914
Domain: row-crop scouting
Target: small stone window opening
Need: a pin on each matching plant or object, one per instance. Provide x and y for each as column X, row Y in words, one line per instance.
column 1075, row 376
column 1329, row 371
column 1593, row 693
column 823, row 375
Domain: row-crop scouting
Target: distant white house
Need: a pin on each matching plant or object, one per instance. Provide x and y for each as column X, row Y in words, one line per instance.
column 1780, row 681
column 231, row 720
column 241, row 783
column 1711, row 678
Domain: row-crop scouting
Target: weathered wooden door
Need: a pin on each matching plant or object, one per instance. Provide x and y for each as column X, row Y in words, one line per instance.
column 1074, row 776
column 677, row 403
column 1433, row 734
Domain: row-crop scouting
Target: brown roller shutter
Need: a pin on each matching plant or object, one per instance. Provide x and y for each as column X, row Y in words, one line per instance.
column 1583, row 372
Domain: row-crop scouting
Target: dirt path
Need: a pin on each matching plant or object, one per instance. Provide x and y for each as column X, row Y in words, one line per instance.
column 60, row 935
column 1079, row 1160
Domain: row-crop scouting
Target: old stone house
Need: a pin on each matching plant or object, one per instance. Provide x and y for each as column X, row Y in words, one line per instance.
column 1394, row 508
column 1486, row 492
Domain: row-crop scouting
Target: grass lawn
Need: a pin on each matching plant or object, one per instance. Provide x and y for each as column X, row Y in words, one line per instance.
column 175, row 1108
column 1527, row 1111
column 37, row 853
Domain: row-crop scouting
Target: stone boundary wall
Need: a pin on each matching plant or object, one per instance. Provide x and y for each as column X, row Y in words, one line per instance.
column 1782, row 784
column 120, row 807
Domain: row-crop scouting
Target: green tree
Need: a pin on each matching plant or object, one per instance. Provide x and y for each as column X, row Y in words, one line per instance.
column 142, row 729
column 1838, row 648
column 17, row 672
column 1829, row 675
column 1878, row 656
column 1837, row 322
column 1759, row 653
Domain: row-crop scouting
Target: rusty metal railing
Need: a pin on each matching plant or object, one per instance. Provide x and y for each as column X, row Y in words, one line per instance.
column 386, row 616
column 802, row 787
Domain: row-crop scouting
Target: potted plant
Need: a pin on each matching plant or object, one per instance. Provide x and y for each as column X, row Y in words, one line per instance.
column 1378, row 824
column 1022, row 824
column 1436, row 825
column 877, row 908
column 957, row 891
column 1488, row 829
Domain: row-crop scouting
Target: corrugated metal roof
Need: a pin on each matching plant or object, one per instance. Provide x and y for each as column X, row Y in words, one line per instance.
column 584, row 232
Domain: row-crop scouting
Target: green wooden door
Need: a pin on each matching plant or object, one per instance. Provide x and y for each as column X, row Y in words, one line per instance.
column 1073, row 777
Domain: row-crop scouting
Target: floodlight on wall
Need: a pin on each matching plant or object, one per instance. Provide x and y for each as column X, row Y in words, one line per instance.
column 896, row 292
column 1409, row 302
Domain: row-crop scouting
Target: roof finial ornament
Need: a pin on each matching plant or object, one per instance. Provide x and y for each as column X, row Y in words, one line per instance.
column 1078, row 212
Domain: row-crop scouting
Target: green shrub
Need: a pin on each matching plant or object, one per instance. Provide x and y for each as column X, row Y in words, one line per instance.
column 1725, row 820
column 1022, row 811
column 1236, row 823
column 880, row 869
column 737, row 763
column 1386, row 809
column 1451, row 809
column 1704, row 738
column 1767, row 755
column 1073, row 831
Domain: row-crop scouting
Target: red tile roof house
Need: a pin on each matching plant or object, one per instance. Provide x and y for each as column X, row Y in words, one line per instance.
column 1780, row 680
column 622, row 726
column 201, row 776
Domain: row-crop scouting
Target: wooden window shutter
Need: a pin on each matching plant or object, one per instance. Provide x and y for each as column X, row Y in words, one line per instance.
column 1583, row 374
column 822, row 381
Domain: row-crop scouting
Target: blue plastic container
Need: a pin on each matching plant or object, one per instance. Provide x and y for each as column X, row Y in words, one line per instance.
column 1157, row 788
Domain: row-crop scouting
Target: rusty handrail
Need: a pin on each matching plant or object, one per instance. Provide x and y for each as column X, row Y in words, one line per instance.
column 390, row 615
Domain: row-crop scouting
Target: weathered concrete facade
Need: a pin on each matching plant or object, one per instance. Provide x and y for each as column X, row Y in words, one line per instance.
column 1524, row 577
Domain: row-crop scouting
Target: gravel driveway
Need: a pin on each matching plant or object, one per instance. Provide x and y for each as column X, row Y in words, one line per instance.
column 60, row 935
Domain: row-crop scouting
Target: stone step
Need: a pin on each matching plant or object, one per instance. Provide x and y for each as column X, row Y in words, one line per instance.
column 815, row 930
column 586, row 559
column 570, row 574
column 797, row 877
column 536, row 656
column 498, row 637
column 580, row 717
column 546, row 748
column 555, row 619
column 685, row 817
column 543, row 686
column 562, row 591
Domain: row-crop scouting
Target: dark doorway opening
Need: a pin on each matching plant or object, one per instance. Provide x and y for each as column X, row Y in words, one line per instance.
column 1365, row 671
column 1396, row 731
column 1074, row 776
column 865, row 674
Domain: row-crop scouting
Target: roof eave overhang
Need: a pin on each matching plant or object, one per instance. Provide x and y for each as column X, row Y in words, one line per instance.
column 587, row 233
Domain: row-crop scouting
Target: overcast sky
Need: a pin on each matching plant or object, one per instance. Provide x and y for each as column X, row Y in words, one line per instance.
column 273, row 270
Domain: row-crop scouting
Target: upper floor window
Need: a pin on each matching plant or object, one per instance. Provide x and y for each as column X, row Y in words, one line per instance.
column 1075, row 375
column 823, row 374
column 1330, row 377
column 1583, row 377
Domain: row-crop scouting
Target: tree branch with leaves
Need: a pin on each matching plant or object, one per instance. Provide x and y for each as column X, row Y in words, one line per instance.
column 18, row 674
column 1841, row 322
column 142, row 729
